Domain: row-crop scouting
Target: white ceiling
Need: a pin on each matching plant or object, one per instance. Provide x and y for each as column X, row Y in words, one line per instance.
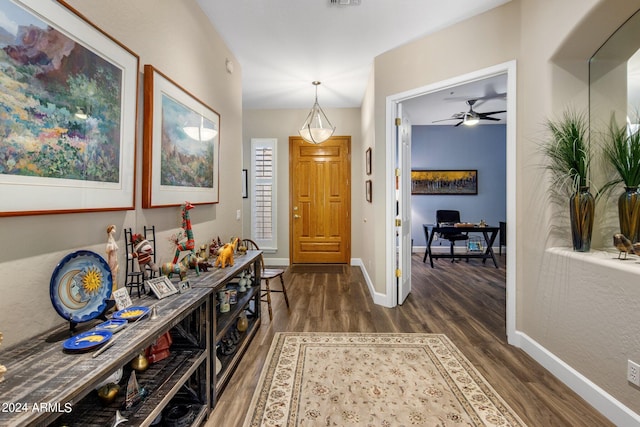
column 490, row 95
column 284, row 45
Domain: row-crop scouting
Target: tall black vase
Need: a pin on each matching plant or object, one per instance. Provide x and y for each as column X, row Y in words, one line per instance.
column 629, row 213
column 581, row 207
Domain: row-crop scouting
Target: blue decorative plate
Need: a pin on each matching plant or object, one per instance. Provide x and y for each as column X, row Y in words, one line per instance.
column 131, row 313
column 87, row 340
column 81, row 286
column 113, row 325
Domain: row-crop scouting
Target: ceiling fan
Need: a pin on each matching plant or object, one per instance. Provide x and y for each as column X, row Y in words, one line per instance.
column 471, row 117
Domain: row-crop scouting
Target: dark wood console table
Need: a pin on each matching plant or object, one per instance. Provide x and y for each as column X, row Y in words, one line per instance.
column 488, row 232
column 45, row 385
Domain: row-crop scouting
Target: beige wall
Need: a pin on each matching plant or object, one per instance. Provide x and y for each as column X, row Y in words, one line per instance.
column 576, row 313
column 281, row 124
column 581, row 308
column 178, row 40
column 495, row 37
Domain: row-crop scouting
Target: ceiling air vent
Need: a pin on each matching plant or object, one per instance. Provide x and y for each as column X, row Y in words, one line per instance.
column 344, row 2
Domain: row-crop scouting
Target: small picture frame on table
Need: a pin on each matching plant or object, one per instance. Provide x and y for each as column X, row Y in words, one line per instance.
column 162, row 287
column 122, row 298
column 184, row 286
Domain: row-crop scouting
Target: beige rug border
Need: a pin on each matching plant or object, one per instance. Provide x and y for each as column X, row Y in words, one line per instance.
column 279, row 338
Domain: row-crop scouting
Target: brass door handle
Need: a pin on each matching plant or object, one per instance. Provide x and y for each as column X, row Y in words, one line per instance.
column 296, row 216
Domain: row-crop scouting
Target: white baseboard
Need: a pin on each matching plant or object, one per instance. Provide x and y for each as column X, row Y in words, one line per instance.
column 610, row 407
column 276, row 262
column 378, row 298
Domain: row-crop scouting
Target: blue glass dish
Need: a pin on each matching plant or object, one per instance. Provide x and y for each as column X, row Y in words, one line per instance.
column 131, row 313
column 113, row 325
column 87, row 340
column 81, row 286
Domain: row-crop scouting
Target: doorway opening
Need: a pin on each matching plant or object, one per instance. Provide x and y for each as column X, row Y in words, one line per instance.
column 393, row 101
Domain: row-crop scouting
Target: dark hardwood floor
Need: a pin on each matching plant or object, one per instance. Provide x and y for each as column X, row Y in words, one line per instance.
column 465, row 301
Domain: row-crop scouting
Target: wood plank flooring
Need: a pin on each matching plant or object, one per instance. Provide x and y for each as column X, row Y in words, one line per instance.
column 465, row 301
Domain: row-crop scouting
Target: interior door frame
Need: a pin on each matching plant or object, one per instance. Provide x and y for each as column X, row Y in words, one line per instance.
column 402, row 152
column 508, row 68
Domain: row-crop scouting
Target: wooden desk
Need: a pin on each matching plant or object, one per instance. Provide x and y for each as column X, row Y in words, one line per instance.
column 488, row 232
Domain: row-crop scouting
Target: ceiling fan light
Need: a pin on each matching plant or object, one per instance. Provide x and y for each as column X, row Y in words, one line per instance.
column 470, row 119
column 316, row 128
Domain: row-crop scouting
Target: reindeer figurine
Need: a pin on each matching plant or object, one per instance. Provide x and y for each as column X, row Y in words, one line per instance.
column 190, row 243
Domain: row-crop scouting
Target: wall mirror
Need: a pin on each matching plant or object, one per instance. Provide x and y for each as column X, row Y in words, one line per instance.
column 614, row 77
column 614, row 89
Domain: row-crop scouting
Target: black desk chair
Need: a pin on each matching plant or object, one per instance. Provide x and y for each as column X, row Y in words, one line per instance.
column 450, row 217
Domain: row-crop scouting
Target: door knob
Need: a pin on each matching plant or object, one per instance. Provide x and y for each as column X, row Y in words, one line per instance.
column 296, row 216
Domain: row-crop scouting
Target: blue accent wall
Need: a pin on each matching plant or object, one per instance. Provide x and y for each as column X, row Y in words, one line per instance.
column 463, row 147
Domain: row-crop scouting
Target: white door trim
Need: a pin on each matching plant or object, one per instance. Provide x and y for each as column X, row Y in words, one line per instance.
column 510, row 69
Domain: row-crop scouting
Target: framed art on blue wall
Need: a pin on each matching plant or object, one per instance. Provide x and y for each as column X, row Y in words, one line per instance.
column 444, row 182
column 69, row 103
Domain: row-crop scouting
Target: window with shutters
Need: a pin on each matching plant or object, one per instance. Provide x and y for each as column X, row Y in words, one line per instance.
column 263, row 192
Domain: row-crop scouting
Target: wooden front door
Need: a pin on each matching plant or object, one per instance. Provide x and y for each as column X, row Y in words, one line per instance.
column 320, row 195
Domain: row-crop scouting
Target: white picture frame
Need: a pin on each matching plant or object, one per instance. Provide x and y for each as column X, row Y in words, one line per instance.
column 184, row 286
column 166, row 104
column 122, row 298
column 62, row 189
column 162, row 287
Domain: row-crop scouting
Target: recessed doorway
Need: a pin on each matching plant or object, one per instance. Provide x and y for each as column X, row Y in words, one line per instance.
column 507, row 69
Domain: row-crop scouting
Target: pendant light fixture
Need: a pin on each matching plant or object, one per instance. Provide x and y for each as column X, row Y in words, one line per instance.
column 317, row 128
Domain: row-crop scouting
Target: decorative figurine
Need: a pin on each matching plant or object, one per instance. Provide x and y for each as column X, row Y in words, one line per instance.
column 140, row 363
column 143, row 252
column 214, row 247
column 168, row 268
column 242, row 249
column 135, row 393
column 226, row 254
column 119, row 419
column 190, row 243
column 3, row 369
column 112, row 255
column 223, row 297
column 623, row 245
column 242, row 283
column 203, row 252
column 108, row 392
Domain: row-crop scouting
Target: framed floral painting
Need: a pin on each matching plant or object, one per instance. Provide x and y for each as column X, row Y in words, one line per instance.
column 69, row 107
column 181, row 145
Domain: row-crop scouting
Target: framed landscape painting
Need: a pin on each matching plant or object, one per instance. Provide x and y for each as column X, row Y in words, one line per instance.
column 181, row 145
column 67, row 113
column 442, row 182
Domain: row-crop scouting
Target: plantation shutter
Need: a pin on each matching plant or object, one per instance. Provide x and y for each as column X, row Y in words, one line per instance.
column 263, row 193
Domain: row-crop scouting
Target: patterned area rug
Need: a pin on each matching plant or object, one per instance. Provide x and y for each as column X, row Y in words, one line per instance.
column 330, row 379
